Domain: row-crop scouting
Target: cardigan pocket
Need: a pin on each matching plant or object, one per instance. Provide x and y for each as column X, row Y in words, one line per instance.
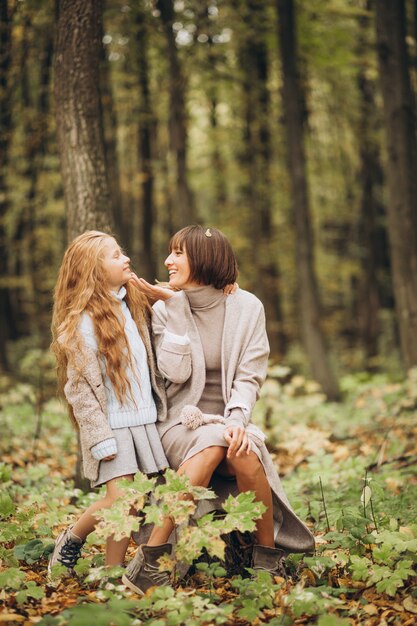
column 175, row 365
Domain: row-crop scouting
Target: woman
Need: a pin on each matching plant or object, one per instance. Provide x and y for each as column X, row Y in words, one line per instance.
column 213, row 351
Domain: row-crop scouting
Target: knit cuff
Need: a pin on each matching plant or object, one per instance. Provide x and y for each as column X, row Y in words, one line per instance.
column 181, row 340
column 104, row 448
column 236, row 418
column 175, row 308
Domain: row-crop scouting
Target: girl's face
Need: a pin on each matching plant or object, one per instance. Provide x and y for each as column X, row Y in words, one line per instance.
column 179, row 270
column 115, row 265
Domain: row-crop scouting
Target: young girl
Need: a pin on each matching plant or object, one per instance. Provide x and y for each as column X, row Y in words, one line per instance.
column 106, row 371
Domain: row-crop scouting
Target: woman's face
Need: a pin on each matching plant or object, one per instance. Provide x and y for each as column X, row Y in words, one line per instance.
column 115, row 265
column 179, row 270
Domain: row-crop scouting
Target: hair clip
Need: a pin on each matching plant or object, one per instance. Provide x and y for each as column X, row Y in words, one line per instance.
column 208, row 233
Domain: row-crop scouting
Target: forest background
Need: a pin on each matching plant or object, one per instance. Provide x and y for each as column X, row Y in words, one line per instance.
column 175, row 113
column 288, row 125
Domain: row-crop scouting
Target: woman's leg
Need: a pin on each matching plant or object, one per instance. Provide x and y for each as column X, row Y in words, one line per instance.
column 115, row 550
column 199, row 469
column 250, row 476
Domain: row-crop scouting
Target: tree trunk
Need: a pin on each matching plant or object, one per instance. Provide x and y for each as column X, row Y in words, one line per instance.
column 146, row 133
column 295, row 115
column 371, row 208
column 80, row 124
column 35, row 123
column 185, row 211
column 257, row 156
column 79, row 116
column 399, row 116
column 119, row 219
column 5, row 137
column 218, row 163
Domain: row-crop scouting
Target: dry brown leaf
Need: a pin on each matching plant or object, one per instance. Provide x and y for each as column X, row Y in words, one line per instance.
column 371, row 609
column 410, row 604
column 11, row 617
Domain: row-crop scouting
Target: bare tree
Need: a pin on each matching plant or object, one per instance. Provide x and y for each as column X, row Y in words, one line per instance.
column 184, row 205
column 256, row 159
column 79, row 116
column 295, row 118
column 371, row 231
column 5, row 137
column 400, row 124
column 146, row 134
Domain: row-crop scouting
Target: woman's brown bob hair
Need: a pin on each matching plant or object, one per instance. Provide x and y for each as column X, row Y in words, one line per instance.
column 210, row 255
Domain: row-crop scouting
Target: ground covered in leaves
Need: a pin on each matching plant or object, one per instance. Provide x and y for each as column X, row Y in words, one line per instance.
column 349, row 469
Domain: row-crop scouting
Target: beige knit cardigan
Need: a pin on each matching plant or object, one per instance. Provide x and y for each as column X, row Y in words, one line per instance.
column 244, row 354
column 244, row 360
column 86, row 394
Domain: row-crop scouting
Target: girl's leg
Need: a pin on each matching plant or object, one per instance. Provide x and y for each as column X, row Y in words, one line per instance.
column 250, row 476
column 115, row 550
column 199, row 469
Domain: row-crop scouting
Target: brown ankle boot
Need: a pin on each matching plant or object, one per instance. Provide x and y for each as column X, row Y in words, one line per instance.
column 143, row 570
column 271, row 560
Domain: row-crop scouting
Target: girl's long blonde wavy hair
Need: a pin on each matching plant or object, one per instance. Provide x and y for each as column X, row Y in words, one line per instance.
column 82, row 286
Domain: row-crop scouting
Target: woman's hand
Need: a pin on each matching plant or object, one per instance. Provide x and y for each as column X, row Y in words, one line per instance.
column 109, row 458
column 238, row 440
column 153, row 292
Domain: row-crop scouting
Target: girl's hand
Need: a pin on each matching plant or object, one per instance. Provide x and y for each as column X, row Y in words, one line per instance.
column 109, row 458
column 229, row 289
column 153, row 292
column 238, row 440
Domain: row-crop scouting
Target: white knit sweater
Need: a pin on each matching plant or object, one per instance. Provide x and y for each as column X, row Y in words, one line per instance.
column 138, row 409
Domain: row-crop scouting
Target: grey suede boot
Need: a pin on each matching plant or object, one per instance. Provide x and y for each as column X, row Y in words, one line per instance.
column 143, row 571
column 271, row 560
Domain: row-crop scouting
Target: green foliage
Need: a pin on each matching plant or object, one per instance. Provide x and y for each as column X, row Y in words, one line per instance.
column 31, row 590
column 7, row 507
column 390, row 564
column 115, row 611
column 372, row 540
column 255, row 594
column 168, row 608
column 33, row 550
column 11, row 578
column 310, row 601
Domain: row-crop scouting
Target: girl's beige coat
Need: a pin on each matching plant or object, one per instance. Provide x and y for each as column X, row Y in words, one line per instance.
column 86, row 394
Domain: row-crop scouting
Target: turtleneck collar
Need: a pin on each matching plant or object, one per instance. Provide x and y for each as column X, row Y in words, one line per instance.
column 119, row 295
column 204, row 297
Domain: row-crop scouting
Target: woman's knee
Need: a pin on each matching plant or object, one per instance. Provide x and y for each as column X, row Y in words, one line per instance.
column 209, row 458
column 212, row 456
column 247, row 466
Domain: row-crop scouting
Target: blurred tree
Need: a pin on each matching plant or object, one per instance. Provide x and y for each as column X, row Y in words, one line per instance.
column 79, row 116
column 110, row 126
column 256, row 160
column 35, row 110
column 371, row 226
column 295, row 119
column 146, row 149
column 184, row 199
column 6, row 16
column 400, row 126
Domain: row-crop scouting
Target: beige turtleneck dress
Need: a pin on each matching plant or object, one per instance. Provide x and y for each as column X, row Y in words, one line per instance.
column 207, row 306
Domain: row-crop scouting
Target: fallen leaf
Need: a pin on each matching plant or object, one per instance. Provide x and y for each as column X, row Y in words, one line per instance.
column 410, row 604
column 371, row 609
